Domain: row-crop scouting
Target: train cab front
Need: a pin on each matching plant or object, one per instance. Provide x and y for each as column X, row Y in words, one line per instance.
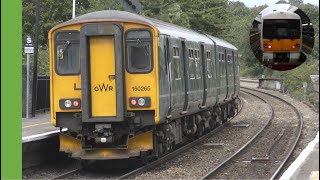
column 281, row 38
column 104, row 88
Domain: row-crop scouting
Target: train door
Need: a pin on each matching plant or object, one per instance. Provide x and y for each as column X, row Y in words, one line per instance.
column 204, row 74
column 234, row 74
column 177, row 79
column 227, row 73
column 168, row 65
column 185, row 75
column 230, row 75
column 101, row 76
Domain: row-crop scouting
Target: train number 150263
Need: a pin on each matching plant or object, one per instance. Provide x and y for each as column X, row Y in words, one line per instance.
column 141, row 88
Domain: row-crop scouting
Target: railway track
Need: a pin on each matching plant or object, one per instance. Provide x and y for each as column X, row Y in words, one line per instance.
column 260, row 150
column 131, row 175
column 87, row 175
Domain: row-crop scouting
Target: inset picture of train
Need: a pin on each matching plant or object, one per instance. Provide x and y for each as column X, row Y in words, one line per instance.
column 281, row 37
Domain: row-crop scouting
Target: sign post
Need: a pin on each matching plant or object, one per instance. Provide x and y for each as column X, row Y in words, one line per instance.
column 305, row 85
column 28, row 49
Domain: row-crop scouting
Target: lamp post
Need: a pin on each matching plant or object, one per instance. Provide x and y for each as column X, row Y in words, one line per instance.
column 73, row 9
column 35, row 70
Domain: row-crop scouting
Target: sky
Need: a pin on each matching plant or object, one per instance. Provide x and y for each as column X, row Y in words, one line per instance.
column 252, row 3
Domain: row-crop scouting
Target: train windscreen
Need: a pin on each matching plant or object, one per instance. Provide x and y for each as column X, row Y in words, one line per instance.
column 281, row 29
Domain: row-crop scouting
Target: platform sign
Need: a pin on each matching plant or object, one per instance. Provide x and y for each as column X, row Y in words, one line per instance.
column 28, row 48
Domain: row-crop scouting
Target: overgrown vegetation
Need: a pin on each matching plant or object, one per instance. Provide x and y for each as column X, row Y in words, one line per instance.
column 221, row 18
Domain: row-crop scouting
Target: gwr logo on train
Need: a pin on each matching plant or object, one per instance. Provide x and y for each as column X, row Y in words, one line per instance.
column 103, row 87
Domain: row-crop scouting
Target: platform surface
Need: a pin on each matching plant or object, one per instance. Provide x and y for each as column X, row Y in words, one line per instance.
column 309, row 169
column 306, row 166
column 39, row 124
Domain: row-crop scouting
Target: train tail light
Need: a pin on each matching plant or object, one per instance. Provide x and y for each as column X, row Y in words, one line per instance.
column 295, row 46
column 136, row 102
column 268, row 46
column 70, row 103
column 133, row 102
column 75, row 103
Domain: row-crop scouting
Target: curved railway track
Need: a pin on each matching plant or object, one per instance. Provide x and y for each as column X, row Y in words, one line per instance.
column 275, row 164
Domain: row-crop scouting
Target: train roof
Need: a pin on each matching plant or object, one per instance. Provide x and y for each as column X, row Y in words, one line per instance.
column 162, row 27
column 281, row 15
column 279, row 7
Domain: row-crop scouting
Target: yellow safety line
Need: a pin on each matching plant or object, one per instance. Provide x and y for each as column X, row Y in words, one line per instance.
column 35, row 125
column 314, row 175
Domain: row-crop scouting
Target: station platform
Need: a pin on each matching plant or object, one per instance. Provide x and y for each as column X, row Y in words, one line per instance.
column 306, row 166
column 38, row 127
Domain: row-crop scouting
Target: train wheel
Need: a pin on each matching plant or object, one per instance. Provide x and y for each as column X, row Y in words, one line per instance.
column 212, row 123
column 85, row 164
column 219, row 120
column 201, row 130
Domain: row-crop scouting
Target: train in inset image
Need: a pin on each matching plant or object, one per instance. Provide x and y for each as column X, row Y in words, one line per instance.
column 281, row 37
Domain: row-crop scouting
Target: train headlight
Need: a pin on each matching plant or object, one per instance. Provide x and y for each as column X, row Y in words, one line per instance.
column 138, row 102
column 141, row 102
column 67, row 103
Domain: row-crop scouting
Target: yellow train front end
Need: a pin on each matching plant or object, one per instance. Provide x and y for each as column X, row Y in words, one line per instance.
column 281, row 40
column 104, row 85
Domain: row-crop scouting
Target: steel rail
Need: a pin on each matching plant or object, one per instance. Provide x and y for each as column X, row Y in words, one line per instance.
column 300, row 117
column 245, row 145
column 62, row 176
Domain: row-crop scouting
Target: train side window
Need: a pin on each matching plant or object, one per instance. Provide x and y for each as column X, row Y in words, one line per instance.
column 177, row 65
column 208, row 55
column 197, row 64
column 198, row 69
column 209, row 65
column 176, row 52
column 139, row 51
column 192, row 69
column 191, row 65
column 67, row 59
column 229, row 65
column 190, row 53
column 236, row 65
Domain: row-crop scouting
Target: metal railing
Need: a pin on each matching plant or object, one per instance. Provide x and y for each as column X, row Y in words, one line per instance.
column 43, row 93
